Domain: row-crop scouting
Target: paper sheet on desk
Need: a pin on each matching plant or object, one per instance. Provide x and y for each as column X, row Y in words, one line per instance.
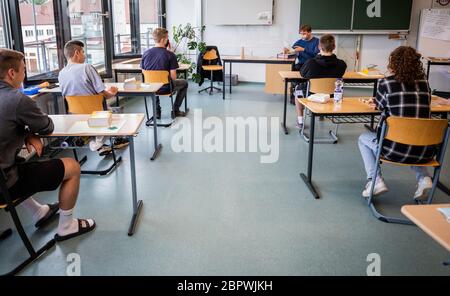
column 82, row 127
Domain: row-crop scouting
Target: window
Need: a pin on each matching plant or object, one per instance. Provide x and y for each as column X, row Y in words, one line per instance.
column 148, row 16
column 50, row 32
column 133, row 24
column 3, row 26
column 122, row 26
column 40, row 50
column 86, row 25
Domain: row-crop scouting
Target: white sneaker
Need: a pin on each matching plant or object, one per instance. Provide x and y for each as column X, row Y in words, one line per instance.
column 380, row 188
column 423, row 189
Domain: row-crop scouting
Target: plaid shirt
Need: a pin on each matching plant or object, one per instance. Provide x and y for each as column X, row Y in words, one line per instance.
column 398, row 99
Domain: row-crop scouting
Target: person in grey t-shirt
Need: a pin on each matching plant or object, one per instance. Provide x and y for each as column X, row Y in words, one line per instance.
column 21, row 121
column 81, row 79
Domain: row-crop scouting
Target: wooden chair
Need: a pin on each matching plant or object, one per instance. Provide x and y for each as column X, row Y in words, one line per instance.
column 414, row 132
column 10, row 206
column 87, row 105
column 209, row 57
column 322, row 86
column 158, row 76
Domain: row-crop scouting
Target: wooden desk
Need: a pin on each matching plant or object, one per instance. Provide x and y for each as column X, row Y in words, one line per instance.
column 146, row 90
column 430, row 220
column 436, row 62
column 349, row 77
column 349, row 106
column 130, row 128
column 249, row 60
column 134, row 67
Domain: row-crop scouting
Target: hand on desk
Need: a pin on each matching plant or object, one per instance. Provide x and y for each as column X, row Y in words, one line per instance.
column 370, row 102
column 113, row 90
column 34, row 142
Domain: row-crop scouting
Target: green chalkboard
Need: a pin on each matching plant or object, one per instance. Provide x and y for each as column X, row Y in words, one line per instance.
column 326, row 14
column 356, row 15
column 395, row 15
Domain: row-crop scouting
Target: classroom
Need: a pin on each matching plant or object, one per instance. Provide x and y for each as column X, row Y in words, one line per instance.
column 224, row 138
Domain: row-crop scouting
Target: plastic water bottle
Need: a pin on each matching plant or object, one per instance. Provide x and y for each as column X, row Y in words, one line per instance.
column 339, row 91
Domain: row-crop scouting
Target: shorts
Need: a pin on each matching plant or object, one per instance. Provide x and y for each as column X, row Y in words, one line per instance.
column 37, row 176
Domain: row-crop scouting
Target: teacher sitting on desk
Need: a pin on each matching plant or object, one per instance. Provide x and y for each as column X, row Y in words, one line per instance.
column 306, row 48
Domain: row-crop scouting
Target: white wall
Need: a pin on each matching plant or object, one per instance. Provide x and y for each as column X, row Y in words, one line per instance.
column 268, row 40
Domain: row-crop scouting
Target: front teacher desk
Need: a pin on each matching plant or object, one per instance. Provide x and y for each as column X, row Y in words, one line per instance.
column 76, row 126
column 146, row 90
column 273, row 83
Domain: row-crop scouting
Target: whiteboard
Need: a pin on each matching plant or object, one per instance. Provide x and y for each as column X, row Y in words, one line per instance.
column 433, row 43
column 239, row 12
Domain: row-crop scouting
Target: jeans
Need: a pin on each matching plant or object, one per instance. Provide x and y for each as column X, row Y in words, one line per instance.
column 368, row 146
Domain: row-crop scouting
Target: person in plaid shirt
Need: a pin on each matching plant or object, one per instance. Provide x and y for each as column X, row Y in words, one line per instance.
column 405, row 94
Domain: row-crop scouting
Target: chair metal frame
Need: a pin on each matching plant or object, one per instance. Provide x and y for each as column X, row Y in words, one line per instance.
column 437, row 170
column 210, row 56
column 10, row 206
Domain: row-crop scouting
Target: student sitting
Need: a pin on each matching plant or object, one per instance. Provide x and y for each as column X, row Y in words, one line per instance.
column 20, row 120
column 159, row 58
column 406, row 94
column 80, row 79
column 324, row 65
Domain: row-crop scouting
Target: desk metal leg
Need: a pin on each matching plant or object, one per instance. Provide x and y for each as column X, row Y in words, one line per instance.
column 223, row 80
column 5, row 234
column 116, row 76
column 231, row 71
column 137, row 205
column 55, row 103
column 443, row 188
column 286, row 131
column 158, row 147
column 308, row 179
column 428, row 70
column 186, row 109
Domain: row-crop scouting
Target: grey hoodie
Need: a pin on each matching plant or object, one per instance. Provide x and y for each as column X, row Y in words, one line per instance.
column 19, row 115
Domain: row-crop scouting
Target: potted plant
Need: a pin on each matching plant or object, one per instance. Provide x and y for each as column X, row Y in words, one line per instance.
column 188, row 38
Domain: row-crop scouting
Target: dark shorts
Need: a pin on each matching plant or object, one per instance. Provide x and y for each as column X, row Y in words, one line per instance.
column 36, row 177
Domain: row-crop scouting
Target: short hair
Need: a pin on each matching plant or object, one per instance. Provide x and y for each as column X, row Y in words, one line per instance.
column 306, row 28
column 159, row 34
column 328, row 43
column 9, row 59
column 71, row 47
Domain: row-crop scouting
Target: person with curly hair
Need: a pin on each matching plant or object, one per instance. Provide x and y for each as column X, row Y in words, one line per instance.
column 405, row 93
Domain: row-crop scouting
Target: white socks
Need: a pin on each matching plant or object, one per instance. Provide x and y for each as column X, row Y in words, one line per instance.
column 300, row 119
column 37, row 210
column 67, row 224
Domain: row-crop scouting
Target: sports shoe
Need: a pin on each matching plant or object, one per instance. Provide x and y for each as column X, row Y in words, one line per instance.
column 380, row 188
column 299, row 125
column 423, row 189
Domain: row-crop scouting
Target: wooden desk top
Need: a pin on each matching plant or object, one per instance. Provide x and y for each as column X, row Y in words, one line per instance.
column 256, row 59
column 348, row 106
column 438, row 60
column 358, row 105
column 347, row 75
column 145, row 88
column 137, row 67
column 63, row 124
column 430, row 220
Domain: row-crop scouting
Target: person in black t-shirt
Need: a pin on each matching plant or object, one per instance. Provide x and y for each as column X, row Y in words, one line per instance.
column 159, row 58
column 324, row 65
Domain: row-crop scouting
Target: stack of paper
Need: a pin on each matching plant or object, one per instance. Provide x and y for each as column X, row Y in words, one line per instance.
column 445, row 212
column 319, row 98
column 100, row 119
column 131, row 84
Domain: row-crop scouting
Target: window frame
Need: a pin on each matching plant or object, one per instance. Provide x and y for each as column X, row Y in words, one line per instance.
column 63, row 35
